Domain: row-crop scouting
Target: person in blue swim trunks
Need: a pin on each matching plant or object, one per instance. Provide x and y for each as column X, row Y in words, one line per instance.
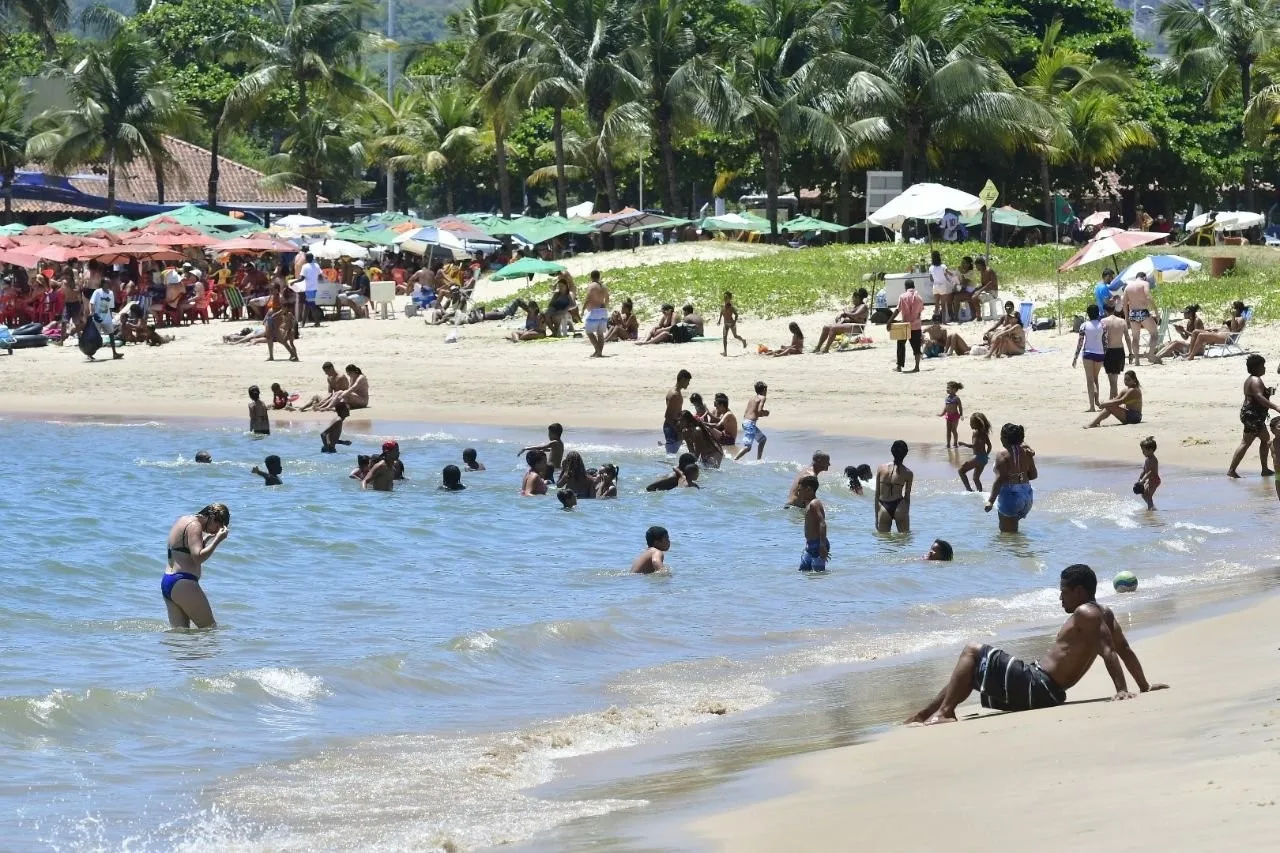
column 816, row 545
column 187, row 552
column 671, row 438
column 1011, row 493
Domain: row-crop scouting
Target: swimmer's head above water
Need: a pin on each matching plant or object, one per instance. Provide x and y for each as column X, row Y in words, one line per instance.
column 940, row 551
column 203, row 457
column 568, row 500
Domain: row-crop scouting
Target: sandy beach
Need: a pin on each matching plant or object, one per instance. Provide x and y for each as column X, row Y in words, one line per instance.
column 1189, row 768
column 415, row 375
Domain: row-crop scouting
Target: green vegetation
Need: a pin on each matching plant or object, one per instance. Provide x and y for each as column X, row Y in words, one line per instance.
column 781, row 283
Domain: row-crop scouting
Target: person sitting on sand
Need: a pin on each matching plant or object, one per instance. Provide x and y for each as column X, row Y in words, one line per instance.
column 1006, row 337
column 623, row 325
column 893, row 492
column 336, row 383
column 939, row 342
column 1232, row 325
column 1191, row 314
column 666, row 320
column 691, row 326
column 1005, row 683
column 850, row 322
column 650, row 560
column 356, row 395
column 563, row 304
column 535, row 326
column 795, row 347
column 1125, row 407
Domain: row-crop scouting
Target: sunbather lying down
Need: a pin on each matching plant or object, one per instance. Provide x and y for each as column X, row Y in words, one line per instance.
column 247, row 336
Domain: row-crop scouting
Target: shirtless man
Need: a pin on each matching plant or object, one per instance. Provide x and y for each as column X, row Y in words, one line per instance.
column 336, row 383
column 650, row 559
column 821, row 462
column 1115, row 336
column 1008, row 684
column 1140, row 311
column 671, row 416
column 725, row 425
column 382, row 473
column 596, row 305
column 816, row 545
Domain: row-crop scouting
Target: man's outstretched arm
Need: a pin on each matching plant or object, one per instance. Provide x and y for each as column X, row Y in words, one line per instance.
column 1130, row 660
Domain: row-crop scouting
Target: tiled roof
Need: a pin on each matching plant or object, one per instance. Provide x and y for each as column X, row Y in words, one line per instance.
column 188, row 181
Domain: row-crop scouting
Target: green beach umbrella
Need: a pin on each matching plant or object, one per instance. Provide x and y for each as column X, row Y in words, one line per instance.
column 12, row 230
column 209, row 221
column 366, row 236
column 1006, row 216
column 802, row 224
column 72, row 226
column 112, row 223
column 527, row 268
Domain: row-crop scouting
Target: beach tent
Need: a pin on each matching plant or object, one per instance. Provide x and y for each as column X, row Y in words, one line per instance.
column 209, row 221
column 925, row 201
column 527, row 268
column 1005, row 216
column 1171, row 267
column 805, row 224
column 1108, row 242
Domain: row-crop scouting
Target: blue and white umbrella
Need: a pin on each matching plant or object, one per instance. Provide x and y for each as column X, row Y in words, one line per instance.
column 1171, row 267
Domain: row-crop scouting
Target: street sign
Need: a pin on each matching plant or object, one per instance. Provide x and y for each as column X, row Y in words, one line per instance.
column 989, row 194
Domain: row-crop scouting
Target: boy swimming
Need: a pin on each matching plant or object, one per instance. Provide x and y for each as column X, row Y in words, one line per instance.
column 650, row 559
column 451, row 479
column 471, row 461
column 271, row 476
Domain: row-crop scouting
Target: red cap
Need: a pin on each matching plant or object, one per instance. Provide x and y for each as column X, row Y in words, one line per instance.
column 390, row 445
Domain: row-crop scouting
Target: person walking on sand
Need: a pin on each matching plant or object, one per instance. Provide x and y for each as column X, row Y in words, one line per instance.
column 671, row 439
column 910, row 308
column 729, row 319
column 752, row 435
column 893, row 492
column 188, row 550
column 1115, row 333
column 1011, row 492
column 1094, row 350
column 102, row 306
column 596, row 306
column 1007, row 684
column 1253, row 415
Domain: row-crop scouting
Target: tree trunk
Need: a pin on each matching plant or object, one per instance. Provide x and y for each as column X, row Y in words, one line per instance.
column 557, row 134
column 304, row 155
column 111, row 180
column 8, row 194
column 214, row 168
column 1047, row 189
column 844, row 199
column 159, row 170
column 448, row 194
column 610, row 181
column 504, row 180
column 1245, row 93
column 908, row 155
column 671, row 204
column 769, row 151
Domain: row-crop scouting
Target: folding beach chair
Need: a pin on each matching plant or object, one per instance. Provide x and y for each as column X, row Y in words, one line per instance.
column 235, row 302
column 1232, row 346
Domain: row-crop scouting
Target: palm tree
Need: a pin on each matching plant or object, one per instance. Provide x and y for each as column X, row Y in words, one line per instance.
column 438, row 136
column 321, row 151
column 42, row 17
column 14, row 133
column 772, row 87
column 662, row 59
column 122, row 107
column 317, row 52
column 1097, row 131
column 939, row 84
column 481, row 25
column 1074, row 91
column 1219, row 47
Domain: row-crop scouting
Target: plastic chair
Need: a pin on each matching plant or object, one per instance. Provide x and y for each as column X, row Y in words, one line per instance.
column 1232, row 346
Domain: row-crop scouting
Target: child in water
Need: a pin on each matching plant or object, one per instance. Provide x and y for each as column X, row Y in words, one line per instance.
column 1275, row 452
column 651, row 558
column 362, row 468
column 1149, row 479
column 678, row 478
column 271, row 476
column 554, row 448
column 607, row 481
column 332, row 435
column 980, row 444
column 816, row 545
column 857, row 476
column 259, row 424
column 469, row 459
column 952, row 411
column 451, row 479
column 568, row 500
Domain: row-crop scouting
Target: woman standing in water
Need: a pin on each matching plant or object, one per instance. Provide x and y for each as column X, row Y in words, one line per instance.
column 1011, row 493
column 1253, row 415
column 188, row 550
column 893, row 492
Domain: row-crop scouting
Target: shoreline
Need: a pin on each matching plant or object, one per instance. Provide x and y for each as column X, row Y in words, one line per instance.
column 1185, row 790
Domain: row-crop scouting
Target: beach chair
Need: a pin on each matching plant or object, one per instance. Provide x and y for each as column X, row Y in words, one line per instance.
column 235, row 302
column 1232, row 346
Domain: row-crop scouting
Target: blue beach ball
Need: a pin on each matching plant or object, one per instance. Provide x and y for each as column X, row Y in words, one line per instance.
column 1125, row 582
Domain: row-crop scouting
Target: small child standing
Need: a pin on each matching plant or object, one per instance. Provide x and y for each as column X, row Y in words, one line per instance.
column 729, row 318
column 271, row 476
column 554, row 448
column 332, row 435
column 469, row 459
column 751, row 434
column 952, row 411
column 1149, row 479
column 816, row 545
column 980, row 444
column 651, row 558
column 259, row 423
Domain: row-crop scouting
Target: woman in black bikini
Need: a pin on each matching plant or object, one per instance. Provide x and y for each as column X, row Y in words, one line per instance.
column 188, row 550
column 893, row 492
column 1253, row 415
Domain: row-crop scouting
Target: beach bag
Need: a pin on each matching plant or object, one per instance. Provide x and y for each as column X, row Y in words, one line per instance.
column 90, row 339
column 900, row 332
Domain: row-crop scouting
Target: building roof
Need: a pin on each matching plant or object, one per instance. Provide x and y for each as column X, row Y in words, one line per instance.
column 188, row 181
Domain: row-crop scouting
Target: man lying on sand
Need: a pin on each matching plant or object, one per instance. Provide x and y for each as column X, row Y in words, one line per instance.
column 1008, row 684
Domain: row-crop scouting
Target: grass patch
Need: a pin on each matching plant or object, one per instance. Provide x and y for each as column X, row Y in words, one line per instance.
column 807, row 280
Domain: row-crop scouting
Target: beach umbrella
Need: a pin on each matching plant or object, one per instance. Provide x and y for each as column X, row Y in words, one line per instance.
column 1108, row 242
column 209, row 221
column 1171, row 267
column 166, row 237
column 527, row 268
column 72, row 226
column 925, row 201
column 113, row 223
column 299, row 224
column 371, row 235
column 12, row 228
column 331, row 250
column 1226, row 220
column 1006, row 216
column 251, row 246
column 735, row 222
column 27, row 257
column 433, row 236
column 1096, row 218
column 804, row 224
column 631, row 219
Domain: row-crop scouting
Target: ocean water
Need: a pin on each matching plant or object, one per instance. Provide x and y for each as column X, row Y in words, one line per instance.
column 398, row 671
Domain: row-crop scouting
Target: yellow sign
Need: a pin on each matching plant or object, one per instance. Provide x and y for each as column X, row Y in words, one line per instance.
column 989, row 194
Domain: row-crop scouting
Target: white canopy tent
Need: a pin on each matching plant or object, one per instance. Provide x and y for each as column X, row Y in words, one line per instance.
column 925, row 201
